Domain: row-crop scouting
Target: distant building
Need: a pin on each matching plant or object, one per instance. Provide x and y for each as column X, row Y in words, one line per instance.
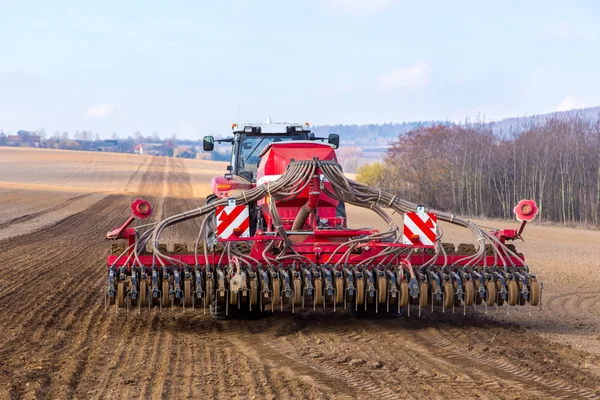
column 14, row 140
column 150, row 149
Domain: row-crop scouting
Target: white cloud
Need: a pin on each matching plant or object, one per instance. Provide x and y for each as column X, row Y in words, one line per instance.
column 360, row 6
column 99, row 111
column 570, row 103
column 413, row 76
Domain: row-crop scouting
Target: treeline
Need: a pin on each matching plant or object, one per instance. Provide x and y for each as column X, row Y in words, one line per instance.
column 472, row 170
column 370, row 134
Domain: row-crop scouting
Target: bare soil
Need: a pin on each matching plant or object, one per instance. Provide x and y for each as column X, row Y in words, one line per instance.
column 57, row 340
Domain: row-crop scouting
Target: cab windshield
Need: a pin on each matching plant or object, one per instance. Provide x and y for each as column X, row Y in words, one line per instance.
column 251, row 146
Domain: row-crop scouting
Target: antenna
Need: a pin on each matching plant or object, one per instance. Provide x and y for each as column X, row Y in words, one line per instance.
column 238, row 116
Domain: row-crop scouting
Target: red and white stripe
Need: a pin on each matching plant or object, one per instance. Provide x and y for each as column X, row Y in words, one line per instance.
column 230, row 218
column 421, row 224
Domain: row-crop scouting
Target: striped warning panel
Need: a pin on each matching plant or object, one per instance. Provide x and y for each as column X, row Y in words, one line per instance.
column 233, row 220
column 419, row 228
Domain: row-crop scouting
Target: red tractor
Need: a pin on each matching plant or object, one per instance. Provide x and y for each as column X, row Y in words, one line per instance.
column 274, row 236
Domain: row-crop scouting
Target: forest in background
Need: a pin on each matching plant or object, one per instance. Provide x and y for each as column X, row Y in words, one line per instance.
column 476, row 170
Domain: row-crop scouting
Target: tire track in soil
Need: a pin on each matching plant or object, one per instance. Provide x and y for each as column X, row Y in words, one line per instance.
column 29, row 217
column 49, row 320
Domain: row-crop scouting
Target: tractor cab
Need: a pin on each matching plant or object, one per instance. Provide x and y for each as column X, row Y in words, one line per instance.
column 250, row 140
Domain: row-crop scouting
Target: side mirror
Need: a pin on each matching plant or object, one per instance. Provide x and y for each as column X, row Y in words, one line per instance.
column 208, row 143
column 334, row 139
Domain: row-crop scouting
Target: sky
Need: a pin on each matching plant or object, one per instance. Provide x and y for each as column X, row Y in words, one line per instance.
column 192, row 68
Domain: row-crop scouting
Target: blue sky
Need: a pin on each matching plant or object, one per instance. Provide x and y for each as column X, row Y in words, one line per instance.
column 184, row 67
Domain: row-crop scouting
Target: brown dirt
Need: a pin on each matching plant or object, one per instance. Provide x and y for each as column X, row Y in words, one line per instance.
column 57, row 341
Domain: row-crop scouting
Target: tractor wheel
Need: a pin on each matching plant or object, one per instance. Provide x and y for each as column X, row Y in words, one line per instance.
column 297, row 292
column 469, row 293
column 318, row 293
column 535, row 291
column 448, row 294
column 187, row 293
column 404, row 296
column 500, row 300
column 165, row 294
column 339, row 290
column 491, row 293
column 276, row 298
column 121, row 294
column 513, row 293
column 143, row 293
column 382, row 289
column 360, row 291
column 478, row 298
column 423, row 294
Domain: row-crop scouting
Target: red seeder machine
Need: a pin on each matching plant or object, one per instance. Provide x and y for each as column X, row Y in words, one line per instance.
column 274, row 236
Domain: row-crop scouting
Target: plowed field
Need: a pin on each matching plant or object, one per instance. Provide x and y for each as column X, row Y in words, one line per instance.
column 57, row 340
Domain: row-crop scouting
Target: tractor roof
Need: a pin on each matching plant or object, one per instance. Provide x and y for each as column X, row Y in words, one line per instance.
column 271, row 128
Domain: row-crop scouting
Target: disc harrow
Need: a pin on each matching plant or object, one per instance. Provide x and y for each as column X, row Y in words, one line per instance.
column 300, row 254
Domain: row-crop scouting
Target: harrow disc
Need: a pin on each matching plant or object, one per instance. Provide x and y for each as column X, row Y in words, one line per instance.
column 434, row 287
column 491, row 293
column 469, row 293
column 165, row 294
column 297, row 292
column 500, row 299
column 121, row 294
column 339, row 290
column 423, row 294
column 253, row 292
column 143, row 293
column 522, row 299
column 478, row 298
column 404, row 297
column 360, row 291
column 382, row 289
column 318, row 293
column 276, row 298
column 513, row 293
column 534, row 293
column 187, row 293
column 457, row 302
column 448, row 294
